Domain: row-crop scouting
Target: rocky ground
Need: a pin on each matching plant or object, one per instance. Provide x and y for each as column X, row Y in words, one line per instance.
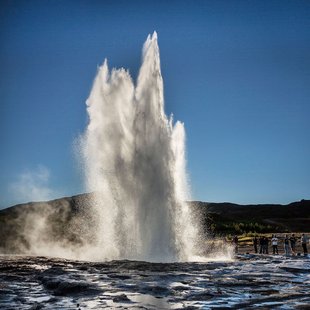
column 248, row 282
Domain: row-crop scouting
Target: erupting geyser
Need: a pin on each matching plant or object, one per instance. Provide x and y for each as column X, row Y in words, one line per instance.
column 135, row 165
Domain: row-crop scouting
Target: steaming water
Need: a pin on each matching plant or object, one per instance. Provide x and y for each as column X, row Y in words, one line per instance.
column 135, row 163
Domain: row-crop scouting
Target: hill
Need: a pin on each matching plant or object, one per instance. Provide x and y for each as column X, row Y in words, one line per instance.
column 223, row 218
column 63, row 220
column 66, row 221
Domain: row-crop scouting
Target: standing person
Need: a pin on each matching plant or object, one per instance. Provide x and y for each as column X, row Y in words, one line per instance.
column 274, row 242
column 255, row 242
column 304, row 244
column 266, row 245
column 261, row 244
column 235, row 242
column 293, row 244
column 286, row 245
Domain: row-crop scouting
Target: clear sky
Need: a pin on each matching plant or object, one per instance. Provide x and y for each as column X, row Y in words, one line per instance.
column 236, row 73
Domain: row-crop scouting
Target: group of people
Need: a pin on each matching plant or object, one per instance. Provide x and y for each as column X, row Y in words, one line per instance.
column 261, row 244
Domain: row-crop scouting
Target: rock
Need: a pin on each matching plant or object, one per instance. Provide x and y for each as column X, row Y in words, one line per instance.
column 295, row 270
column 71, row 288
column 121, row 298
column 159, row 291
column 119, row 276
column 200, row 296
column 37, row 306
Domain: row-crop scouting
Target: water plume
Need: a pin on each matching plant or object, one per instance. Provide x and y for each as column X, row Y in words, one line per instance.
column 134, row 158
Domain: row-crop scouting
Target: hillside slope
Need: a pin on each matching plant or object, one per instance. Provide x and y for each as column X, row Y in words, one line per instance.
column 233, row 218
column 67, row 221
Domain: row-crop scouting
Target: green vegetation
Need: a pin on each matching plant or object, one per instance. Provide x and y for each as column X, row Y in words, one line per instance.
column 239, row 228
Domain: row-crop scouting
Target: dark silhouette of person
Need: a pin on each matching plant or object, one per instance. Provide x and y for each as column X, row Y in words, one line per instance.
column 303, row 241
column 235, row 242
column 286, row 245
column 255, row 242
column 261, row 244
column 265, row 245
column 293, row 243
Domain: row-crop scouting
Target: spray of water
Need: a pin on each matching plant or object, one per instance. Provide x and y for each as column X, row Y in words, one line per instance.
column 134, row 162
column 134, row 159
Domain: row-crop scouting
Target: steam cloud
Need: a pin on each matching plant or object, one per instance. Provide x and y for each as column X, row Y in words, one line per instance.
column 32, row 186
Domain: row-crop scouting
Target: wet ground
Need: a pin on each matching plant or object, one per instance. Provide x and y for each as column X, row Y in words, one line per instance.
column 249, row 282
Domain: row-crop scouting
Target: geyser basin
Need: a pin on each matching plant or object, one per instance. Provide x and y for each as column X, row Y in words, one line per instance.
column 134, row 160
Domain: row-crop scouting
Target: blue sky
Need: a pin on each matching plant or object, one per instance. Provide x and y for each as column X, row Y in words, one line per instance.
column 236, row 73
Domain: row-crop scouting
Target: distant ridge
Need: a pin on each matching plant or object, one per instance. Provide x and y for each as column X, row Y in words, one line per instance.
column 62, row 219
column 234, row 218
